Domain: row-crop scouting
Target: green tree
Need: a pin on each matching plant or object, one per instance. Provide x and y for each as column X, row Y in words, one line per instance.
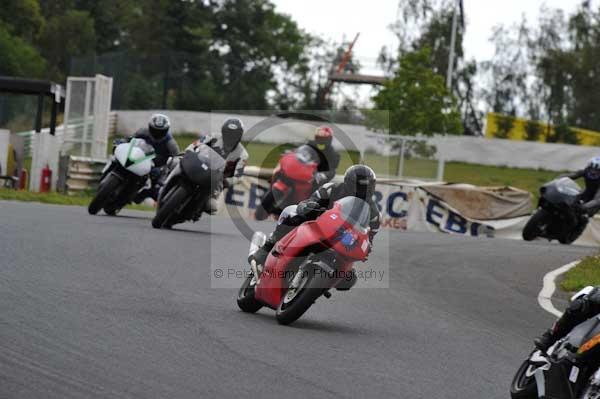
column 428, row 24
column 22, row 18
column 533, row 130
column 19, row 58
column 64, row 36
column 505, row 125
column 253, row 40
column 417, row 99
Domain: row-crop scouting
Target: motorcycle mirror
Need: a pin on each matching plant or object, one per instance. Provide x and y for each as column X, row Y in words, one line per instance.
column 258, row 240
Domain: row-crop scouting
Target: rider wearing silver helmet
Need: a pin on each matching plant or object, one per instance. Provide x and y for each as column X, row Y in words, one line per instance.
column 158, row 135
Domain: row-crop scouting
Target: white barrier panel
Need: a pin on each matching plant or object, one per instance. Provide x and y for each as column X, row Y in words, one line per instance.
column 475, row 150
column 4, row 145
column 512, row 153
column 404, row 207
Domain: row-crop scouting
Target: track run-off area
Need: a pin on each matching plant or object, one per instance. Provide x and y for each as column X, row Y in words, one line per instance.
column 108, row 307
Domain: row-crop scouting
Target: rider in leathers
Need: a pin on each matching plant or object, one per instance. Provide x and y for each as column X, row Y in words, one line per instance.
column 588, row 306
column 590, row 197
column 229, row 146
column 158, row 136
column 329, row 159
column 578, row 311
column 359, row 181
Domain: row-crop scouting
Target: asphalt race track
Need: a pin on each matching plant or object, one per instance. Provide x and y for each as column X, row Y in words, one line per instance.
column 98, row 306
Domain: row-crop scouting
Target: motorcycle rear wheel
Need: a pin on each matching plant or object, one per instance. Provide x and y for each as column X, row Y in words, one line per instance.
column 523, row 387
column 166, row 208
column 533, row 227
column 591, row 392
column 105, row 189
column 310, row 288
column 246, row 300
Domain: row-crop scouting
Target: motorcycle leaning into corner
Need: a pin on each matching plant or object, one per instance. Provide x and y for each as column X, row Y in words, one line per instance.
column 308, row 262
column 292, row 181
column 126, row 173
column 193, row 178
column 570, row 369
column 557, row 216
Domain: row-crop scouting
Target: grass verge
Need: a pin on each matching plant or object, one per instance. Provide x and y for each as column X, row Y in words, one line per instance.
column 55, row 198
column 587, row 272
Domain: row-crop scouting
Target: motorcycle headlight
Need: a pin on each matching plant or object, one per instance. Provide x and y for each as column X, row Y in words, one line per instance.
column 591, row 343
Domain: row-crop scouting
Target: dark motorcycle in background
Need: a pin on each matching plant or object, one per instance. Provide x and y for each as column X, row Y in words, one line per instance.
column 557, row 216
column 126, row 173
column 192, row 180
column 570, row 369
column 292, row 181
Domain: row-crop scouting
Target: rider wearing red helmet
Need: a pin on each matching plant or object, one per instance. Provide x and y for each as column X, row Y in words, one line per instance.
column 329, row 159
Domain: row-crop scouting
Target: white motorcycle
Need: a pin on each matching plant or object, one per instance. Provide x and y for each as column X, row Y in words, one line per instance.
column 126, row 173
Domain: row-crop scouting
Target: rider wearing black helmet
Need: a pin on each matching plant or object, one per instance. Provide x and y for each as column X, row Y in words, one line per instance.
column 230, row 147
column 585, row 306
column 157, row 134
column 359, row 181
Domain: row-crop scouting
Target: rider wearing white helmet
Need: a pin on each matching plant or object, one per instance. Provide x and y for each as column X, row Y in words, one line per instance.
column 590, row 197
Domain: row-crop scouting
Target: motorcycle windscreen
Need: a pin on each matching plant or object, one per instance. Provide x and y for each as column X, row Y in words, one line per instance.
column 584, row 332
column 306, row 154
column 355, row 212
column 203, row 166
column 350, row 237
column 144, row 146
column 301, row 164
column 560, row 190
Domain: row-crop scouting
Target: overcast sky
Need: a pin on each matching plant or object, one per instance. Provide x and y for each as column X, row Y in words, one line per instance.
column 338, row 19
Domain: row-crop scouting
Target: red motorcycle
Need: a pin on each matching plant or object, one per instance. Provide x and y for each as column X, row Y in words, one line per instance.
column 309, row 261
column 291, row 183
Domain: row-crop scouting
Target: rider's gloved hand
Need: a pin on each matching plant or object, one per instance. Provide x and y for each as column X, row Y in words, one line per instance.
column 309, row 209
column 320, row 178
column 228, row 182
column 155, row 173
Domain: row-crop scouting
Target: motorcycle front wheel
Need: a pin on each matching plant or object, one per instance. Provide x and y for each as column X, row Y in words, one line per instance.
column 106, row 188
column 245, row 299
column 591, row 391
column 533, row 228
column 167, row 207
column 522, row 386
column 297, row 301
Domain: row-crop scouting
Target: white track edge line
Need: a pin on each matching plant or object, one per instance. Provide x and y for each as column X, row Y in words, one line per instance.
column 549, row 286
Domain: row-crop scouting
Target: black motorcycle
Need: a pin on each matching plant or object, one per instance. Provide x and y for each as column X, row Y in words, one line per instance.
column 193, row 179
column 558, row 216
column 568, row 370
column 126, row 173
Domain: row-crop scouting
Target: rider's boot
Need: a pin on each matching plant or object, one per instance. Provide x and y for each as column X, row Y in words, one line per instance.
column 545, row 341
column 260, row 256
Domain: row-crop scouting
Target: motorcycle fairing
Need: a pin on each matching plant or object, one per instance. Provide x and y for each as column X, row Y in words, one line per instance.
column 271, row 286
column 330, row 230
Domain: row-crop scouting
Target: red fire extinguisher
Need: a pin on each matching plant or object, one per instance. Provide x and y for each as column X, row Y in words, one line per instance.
column 46, row 179
column 23, row 179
